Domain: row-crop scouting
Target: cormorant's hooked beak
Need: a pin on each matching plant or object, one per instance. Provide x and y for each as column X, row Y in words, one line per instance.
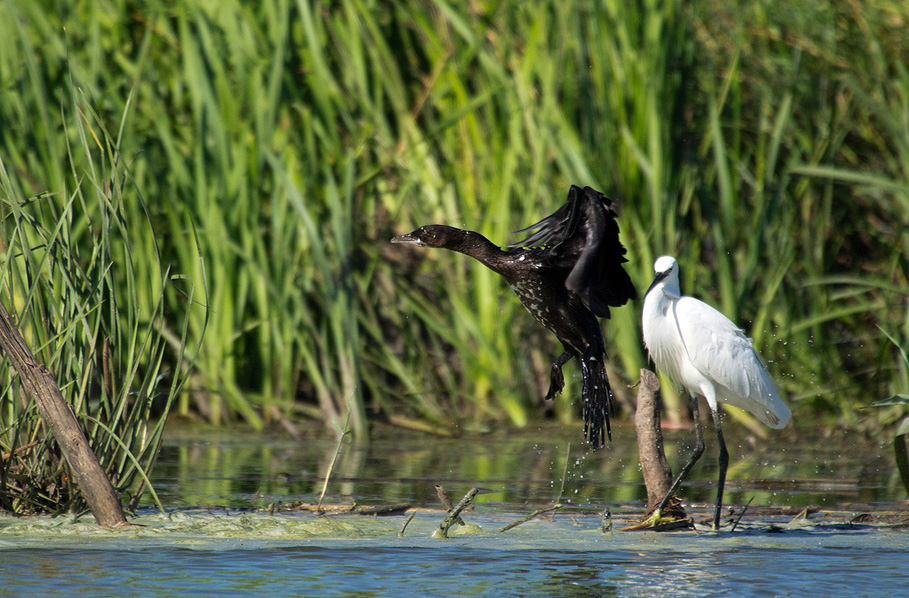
column 657, row 280
column 408, row 239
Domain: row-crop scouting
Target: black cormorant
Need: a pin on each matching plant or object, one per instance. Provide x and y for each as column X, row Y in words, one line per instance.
column 566, row 274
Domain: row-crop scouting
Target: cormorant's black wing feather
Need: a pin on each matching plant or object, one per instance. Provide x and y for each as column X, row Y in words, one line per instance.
column 583, row 236
column 555, row 228
column 598, row 276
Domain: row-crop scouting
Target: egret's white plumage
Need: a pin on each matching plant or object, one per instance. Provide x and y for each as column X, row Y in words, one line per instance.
column 702, row 350
column 699, row 348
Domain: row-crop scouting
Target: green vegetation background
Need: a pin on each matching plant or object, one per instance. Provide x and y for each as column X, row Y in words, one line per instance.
column 765, row 144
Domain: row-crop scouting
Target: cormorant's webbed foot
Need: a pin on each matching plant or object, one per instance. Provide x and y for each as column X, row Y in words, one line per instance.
column 557, row 380
column 597, row 396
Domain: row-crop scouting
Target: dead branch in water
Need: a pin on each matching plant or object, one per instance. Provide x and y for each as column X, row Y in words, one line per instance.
column 406, row 523
column 58, row 414
column 527, row 518
column 446, row 502
column 455, row 513
column 334, row 459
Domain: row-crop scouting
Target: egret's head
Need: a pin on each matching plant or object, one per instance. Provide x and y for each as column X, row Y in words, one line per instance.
column 664, row 265
column 666, row 274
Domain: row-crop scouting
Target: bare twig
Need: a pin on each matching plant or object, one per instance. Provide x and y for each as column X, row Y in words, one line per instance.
column 446, row 502
column 742, row 514
column 334, row 459
column 21, row 449
column 406, row 523
column 443, row 498
column 564, row 475
column 803, row 514
column 527, row 518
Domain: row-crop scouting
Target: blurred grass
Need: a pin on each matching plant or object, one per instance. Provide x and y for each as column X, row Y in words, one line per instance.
column 764, row 144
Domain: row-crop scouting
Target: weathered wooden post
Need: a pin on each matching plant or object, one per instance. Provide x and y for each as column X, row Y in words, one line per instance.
column 87, row 471
column 654, row 466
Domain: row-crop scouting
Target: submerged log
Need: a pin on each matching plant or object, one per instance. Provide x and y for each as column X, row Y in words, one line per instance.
column 58, row 414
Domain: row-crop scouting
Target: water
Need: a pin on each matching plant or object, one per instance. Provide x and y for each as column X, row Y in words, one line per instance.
column 228, row 531
column 197, row 554
column 793, row 470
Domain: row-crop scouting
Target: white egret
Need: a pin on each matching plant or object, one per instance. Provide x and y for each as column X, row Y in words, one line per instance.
column 700, row 349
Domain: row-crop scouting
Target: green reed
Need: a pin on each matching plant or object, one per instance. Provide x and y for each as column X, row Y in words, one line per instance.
column 92, row 308
column 762, row 144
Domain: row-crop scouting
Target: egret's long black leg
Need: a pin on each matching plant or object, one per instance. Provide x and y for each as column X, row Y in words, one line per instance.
column 724, row 463
column 698, row 451
column 556, row 379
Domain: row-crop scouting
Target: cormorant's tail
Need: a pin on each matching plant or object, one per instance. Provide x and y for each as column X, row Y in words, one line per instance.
column 597, row 398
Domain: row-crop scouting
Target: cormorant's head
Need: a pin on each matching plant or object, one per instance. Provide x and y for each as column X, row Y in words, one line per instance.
column 432, row 235
column 666, row 272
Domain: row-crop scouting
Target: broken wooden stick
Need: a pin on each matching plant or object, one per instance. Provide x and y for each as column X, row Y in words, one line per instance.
column 530, row 516
column 446, row 502
column 58, row 414
column 654, row 466
column 331, row 466
column 735, row 523
column 406, row 523
column 455, row 513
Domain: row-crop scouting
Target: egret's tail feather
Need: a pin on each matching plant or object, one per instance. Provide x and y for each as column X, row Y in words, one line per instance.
column 773, row 412
column 759, row 398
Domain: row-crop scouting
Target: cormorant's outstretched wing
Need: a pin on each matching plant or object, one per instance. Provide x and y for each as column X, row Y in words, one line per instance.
column 583, row 236
column 555, row 228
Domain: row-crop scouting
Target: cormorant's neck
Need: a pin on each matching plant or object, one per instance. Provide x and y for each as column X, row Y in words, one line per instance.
column 480, row 248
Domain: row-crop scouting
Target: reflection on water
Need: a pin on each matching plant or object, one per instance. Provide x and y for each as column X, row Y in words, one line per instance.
column 520, row 468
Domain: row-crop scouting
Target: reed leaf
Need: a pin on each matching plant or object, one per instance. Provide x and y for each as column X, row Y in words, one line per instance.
column 762, row 144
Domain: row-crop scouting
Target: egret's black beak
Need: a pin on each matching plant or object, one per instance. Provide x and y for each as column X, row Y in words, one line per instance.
column 656, row 279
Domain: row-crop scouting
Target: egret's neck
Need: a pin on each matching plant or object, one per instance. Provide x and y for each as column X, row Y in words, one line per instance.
column 657, row 302
column 665, row 289
column 660, row 330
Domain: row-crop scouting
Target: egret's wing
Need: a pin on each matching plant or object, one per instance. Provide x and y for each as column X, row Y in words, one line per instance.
column 721, row 352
